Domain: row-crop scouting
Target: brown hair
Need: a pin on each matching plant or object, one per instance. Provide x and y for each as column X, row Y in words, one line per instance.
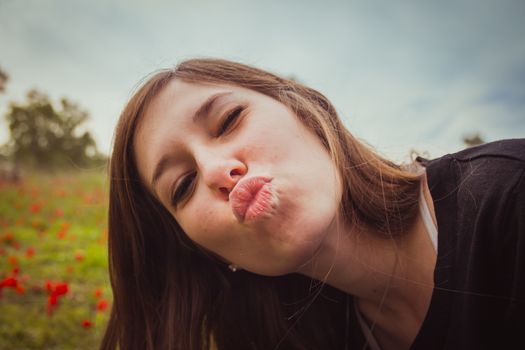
column 170, row 294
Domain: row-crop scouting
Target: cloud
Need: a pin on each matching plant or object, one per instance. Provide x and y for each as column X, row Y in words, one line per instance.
column 402, row 74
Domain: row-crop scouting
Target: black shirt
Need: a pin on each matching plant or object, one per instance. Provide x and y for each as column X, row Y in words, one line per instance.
column 479, row 296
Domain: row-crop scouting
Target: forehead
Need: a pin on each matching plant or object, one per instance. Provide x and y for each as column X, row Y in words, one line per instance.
column 170, row 114
column 178, row 99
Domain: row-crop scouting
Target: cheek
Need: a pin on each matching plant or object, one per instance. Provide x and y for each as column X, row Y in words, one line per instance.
column 196, row 221
column 203, row 223
column 265, row 144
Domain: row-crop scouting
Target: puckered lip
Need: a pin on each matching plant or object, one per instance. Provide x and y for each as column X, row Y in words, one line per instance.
column 244, row 193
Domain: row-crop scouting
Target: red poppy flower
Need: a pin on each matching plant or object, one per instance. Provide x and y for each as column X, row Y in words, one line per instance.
column 61, row 234
column 102, row 305
column 36, row 224
column 9, row 237
column 79, row 255
column 55, row 291
column 87, row 324
column 8, row 282
column 60, row 289
column 51, row 304
column 12, row 260
column 30, row 252
column 48, row 286
column 35, row 208
column 98, row 293
column 52, row 300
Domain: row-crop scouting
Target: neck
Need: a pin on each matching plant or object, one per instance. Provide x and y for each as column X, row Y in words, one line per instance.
column 391, row 278
column 365, row 265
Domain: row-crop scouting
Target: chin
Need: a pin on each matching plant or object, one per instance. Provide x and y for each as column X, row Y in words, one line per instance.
column 293, row 258
column 293, row 242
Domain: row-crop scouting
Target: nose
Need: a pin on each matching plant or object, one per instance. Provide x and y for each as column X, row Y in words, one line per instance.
column 221, row 174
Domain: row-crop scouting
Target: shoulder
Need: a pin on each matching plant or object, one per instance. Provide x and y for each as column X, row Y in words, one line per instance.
column 495, row 167
column 479, row 198
column 479, row 192
column 512, row 150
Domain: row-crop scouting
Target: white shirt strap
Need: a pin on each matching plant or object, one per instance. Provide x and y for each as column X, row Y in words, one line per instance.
column 427, row 220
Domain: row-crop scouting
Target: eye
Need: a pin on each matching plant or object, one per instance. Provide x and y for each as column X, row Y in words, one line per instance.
column 182, row 191
column 230, row 119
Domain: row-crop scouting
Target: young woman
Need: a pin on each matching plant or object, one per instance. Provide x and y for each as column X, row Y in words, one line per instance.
column 243, row 215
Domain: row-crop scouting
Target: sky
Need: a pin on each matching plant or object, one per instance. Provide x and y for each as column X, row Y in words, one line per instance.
column 403, row 75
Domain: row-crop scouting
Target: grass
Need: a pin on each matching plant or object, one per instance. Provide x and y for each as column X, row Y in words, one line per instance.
column 52, row 232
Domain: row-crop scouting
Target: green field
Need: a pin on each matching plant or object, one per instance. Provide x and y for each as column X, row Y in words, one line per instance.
column 54, row 284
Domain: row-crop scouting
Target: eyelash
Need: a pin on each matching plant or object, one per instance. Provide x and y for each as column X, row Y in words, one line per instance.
column 182, row 190
column 231, row 117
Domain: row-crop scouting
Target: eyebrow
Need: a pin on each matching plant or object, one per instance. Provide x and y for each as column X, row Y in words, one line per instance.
column 205, row 108
column 202, row 112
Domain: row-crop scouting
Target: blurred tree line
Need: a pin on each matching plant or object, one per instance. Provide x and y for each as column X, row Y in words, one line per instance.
column 45, row 136
column 474, row 139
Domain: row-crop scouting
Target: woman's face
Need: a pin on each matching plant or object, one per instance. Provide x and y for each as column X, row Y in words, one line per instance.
column 240, row 173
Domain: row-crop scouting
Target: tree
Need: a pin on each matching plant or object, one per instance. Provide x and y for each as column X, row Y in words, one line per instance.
column 473, row 140
column 3, row 151
column 3, row 80
column 44, row 137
